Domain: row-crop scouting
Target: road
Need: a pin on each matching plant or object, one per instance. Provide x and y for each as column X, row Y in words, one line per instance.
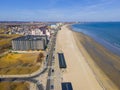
column 38, row 84
column 49, row 85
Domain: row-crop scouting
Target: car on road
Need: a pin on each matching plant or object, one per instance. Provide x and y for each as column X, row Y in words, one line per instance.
column 52, row 70
column 52, row 87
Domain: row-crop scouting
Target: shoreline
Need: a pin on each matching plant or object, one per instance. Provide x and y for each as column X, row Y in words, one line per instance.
column 104, row 64
column 78, row 72
column 102, row 42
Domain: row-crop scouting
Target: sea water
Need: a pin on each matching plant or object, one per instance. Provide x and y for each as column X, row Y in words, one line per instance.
column 106, row 33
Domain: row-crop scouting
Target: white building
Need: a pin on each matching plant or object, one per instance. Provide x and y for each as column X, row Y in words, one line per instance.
column 36, row 32
column 53, row 26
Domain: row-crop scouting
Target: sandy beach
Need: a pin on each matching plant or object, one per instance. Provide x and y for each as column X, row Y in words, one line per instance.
column 78, row 71
column 89, row 65
column 104, row 64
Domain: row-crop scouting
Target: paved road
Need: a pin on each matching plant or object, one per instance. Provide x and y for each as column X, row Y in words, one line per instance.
column 38, row 84
column 49, row 85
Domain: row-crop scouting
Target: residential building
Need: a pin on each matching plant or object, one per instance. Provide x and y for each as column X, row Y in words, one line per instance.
column 29, row 42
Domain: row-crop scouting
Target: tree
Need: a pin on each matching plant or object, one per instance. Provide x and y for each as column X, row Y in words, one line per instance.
column 40, row 57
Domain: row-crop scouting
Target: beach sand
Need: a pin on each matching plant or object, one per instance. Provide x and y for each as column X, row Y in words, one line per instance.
column 104, row 64
column 78, row 71
column 89, row 65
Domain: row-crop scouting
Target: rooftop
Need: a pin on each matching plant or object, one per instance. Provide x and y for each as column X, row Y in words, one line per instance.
column 30, row 37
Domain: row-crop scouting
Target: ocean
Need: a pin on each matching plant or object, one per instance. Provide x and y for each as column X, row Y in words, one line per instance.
column 105, row 33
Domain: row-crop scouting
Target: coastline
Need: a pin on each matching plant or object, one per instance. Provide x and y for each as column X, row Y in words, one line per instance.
column 78, row 72
column 104, row 64
column 104, row 43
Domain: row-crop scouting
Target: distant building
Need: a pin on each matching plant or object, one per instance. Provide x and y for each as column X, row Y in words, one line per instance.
column 29, row 42
column 36, row 32
column 53, row 26
column 59, row 24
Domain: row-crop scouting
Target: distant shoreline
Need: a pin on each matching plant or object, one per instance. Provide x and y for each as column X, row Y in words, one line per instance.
column 108, row 63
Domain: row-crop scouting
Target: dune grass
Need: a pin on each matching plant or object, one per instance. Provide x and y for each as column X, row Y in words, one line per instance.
column 18, row 63
column 2, row 30
column 5, row 41
column 14, row 86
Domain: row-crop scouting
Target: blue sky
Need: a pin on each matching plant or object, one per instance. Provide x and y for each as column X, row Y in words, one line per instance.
column 59, row 10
